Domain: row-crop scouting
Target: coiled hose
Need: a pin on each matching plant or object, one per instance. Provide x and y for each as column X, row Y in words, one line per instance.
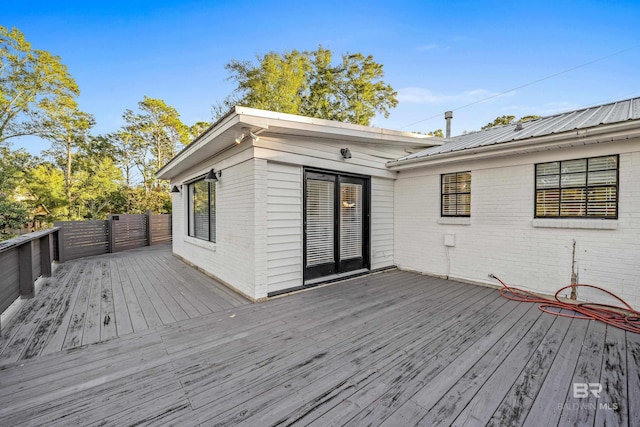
column 623, row 317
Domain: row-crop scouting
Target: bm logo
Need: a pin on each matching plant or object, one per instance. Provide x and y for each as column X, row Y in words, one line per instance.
column 582, row 390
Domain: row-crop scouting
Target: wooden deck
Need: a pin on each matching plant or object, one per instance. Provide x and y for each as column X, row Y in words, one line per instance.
column 99, row 298
column 391, row 349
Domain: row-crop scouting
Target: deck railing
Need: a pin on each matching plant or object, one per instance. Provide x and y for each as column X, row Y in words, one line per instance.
column 27, row 257
column 117, row 233
column 22, row 261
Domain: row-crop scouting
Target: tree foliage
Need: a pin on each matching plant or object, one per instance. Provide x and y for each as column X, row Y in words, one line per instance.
column 68, row 129
column 198, row 129
column 13, row 210
column 307, row 83
column 30, row 79
column 506, row 120
column 154, row 134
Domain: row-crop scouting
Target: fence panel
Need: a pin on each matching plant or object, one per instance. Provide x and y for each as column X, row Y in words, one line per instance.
column 79, row 239
column 10, row 283
column 159, row 229
column 129, row 231
column 22, row 260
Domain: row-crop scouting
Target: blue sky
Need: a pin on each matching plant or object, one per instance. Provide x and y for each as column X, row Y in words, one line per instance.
column 438, row 55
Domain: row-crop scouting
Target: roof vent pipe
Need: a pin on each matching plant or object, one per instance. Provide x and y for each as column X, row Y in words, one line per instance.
column 448, row 115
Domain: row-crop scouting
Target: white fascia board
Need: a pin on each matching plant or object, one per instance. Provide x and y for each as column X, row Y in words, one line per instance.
column 220, row 136
column 602, row 134
column 217, row 138
column 300, row 125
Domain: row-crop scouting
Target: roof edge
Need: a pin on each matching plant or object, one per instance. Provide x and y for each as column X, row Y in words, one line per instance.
column 603, row 133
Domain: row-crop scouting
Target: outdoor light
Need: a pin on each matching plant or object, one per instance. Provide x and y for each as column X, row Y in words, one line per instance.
column 244, row 132
column 239, row 137
column 254, row 137
column 213, row 176
column 346, row 153
column 175, row 189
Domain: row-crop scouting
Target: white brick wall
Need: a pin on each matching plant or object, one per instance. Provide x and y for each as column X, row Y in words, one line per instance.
column 500, row 237
column 233, row 257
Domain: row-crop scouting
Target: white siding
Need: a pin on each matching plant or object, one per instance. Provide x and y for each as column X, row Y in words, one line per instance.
column 381, row 223
column 501, row 238
column 284, row 226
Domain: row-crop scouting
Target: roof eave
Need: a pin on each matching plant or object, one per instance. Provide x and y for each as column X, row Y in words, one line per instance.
column 221, row 135
column 600, row 134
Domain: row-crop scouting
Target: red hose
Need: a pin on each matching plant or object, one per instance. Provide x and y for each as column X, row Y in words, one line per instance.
column 623, row 317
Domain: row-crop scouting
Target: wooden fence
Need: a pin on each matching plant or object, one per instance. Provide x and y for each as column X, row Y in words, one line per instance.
column 27, row 257
column 119, row 232
column 22, row 261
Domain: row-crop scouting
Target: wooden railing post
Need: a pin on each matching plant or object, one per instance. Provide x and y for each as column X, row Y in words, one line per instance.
column 112, row 234
column 45, row 255
column 149, row 236
column 61, row 242
column 25, row 268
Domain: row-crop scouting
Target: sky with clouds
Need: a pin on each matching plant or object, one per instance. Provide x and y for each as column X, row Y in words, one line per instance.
column 481, row 59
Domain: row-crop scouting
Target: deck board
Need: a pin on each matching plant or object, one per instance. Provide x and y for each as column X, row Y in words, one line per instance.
column 133, row 307
column 394, row 348
column 92, row 319
column 121, row 315
column 588, row 370
column 75, row 329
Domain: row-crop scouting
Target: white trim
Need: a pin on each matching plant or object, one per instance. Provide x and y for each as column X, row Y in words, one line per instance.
column 593, row 224
column 452, row 220
column 199, row 242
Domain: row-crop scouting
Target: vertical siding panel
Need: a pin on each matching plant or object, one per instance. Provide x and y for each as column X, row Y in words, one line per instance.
column 382, row 216
column 284, row 226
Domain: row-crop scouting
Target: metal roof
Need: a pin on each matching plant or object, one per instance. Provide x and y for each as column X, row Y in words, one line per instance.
column 615, row 112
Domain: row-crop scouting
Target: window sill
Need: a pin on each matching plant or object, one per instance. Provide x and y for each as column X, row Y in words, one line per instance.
column 201, row 243
column 592, row 224
column 454, row 220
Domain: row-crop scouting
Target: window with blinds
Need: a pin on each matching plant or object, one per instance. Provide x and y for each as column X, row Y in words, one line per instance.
column 455, row 194
column 202, row 210
column 350, row 221
column 320, row 221
column 580, row 188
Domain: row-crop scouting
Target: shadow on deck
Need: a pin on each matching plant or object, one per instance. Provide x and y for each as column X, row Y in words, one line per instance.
column 392, row 349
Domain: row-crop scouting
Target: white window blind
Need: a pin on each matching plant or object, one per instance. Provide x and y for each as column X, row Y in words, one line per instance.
column 202, row 210
column 350, row 220
column 320, row 222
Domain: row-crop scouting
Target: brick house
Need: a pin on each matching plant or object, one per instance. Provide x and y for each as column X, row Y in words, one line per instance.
column 269, row 202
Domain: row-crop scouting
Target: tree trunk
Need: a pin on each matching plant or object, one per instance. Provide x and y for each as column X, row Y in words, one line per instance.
column 68, row 178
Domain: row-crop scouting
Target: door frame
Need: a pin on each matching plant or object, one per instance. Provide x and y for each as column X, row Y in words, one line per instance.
column 366, row 223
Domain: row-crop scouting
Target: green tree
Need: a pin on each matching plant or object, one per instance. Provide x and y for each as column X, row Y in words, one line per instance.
column 156, row 133
column 499, row 121
column 307, row 83
column 528, row 118
column 45, row 186
column 30, row 79
column 98, row 182
column 68, row 129
column 506, row 120
column 14, row 211
column 198, row 129
column 277, row 83
column 438, row 132
column 12, row 216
